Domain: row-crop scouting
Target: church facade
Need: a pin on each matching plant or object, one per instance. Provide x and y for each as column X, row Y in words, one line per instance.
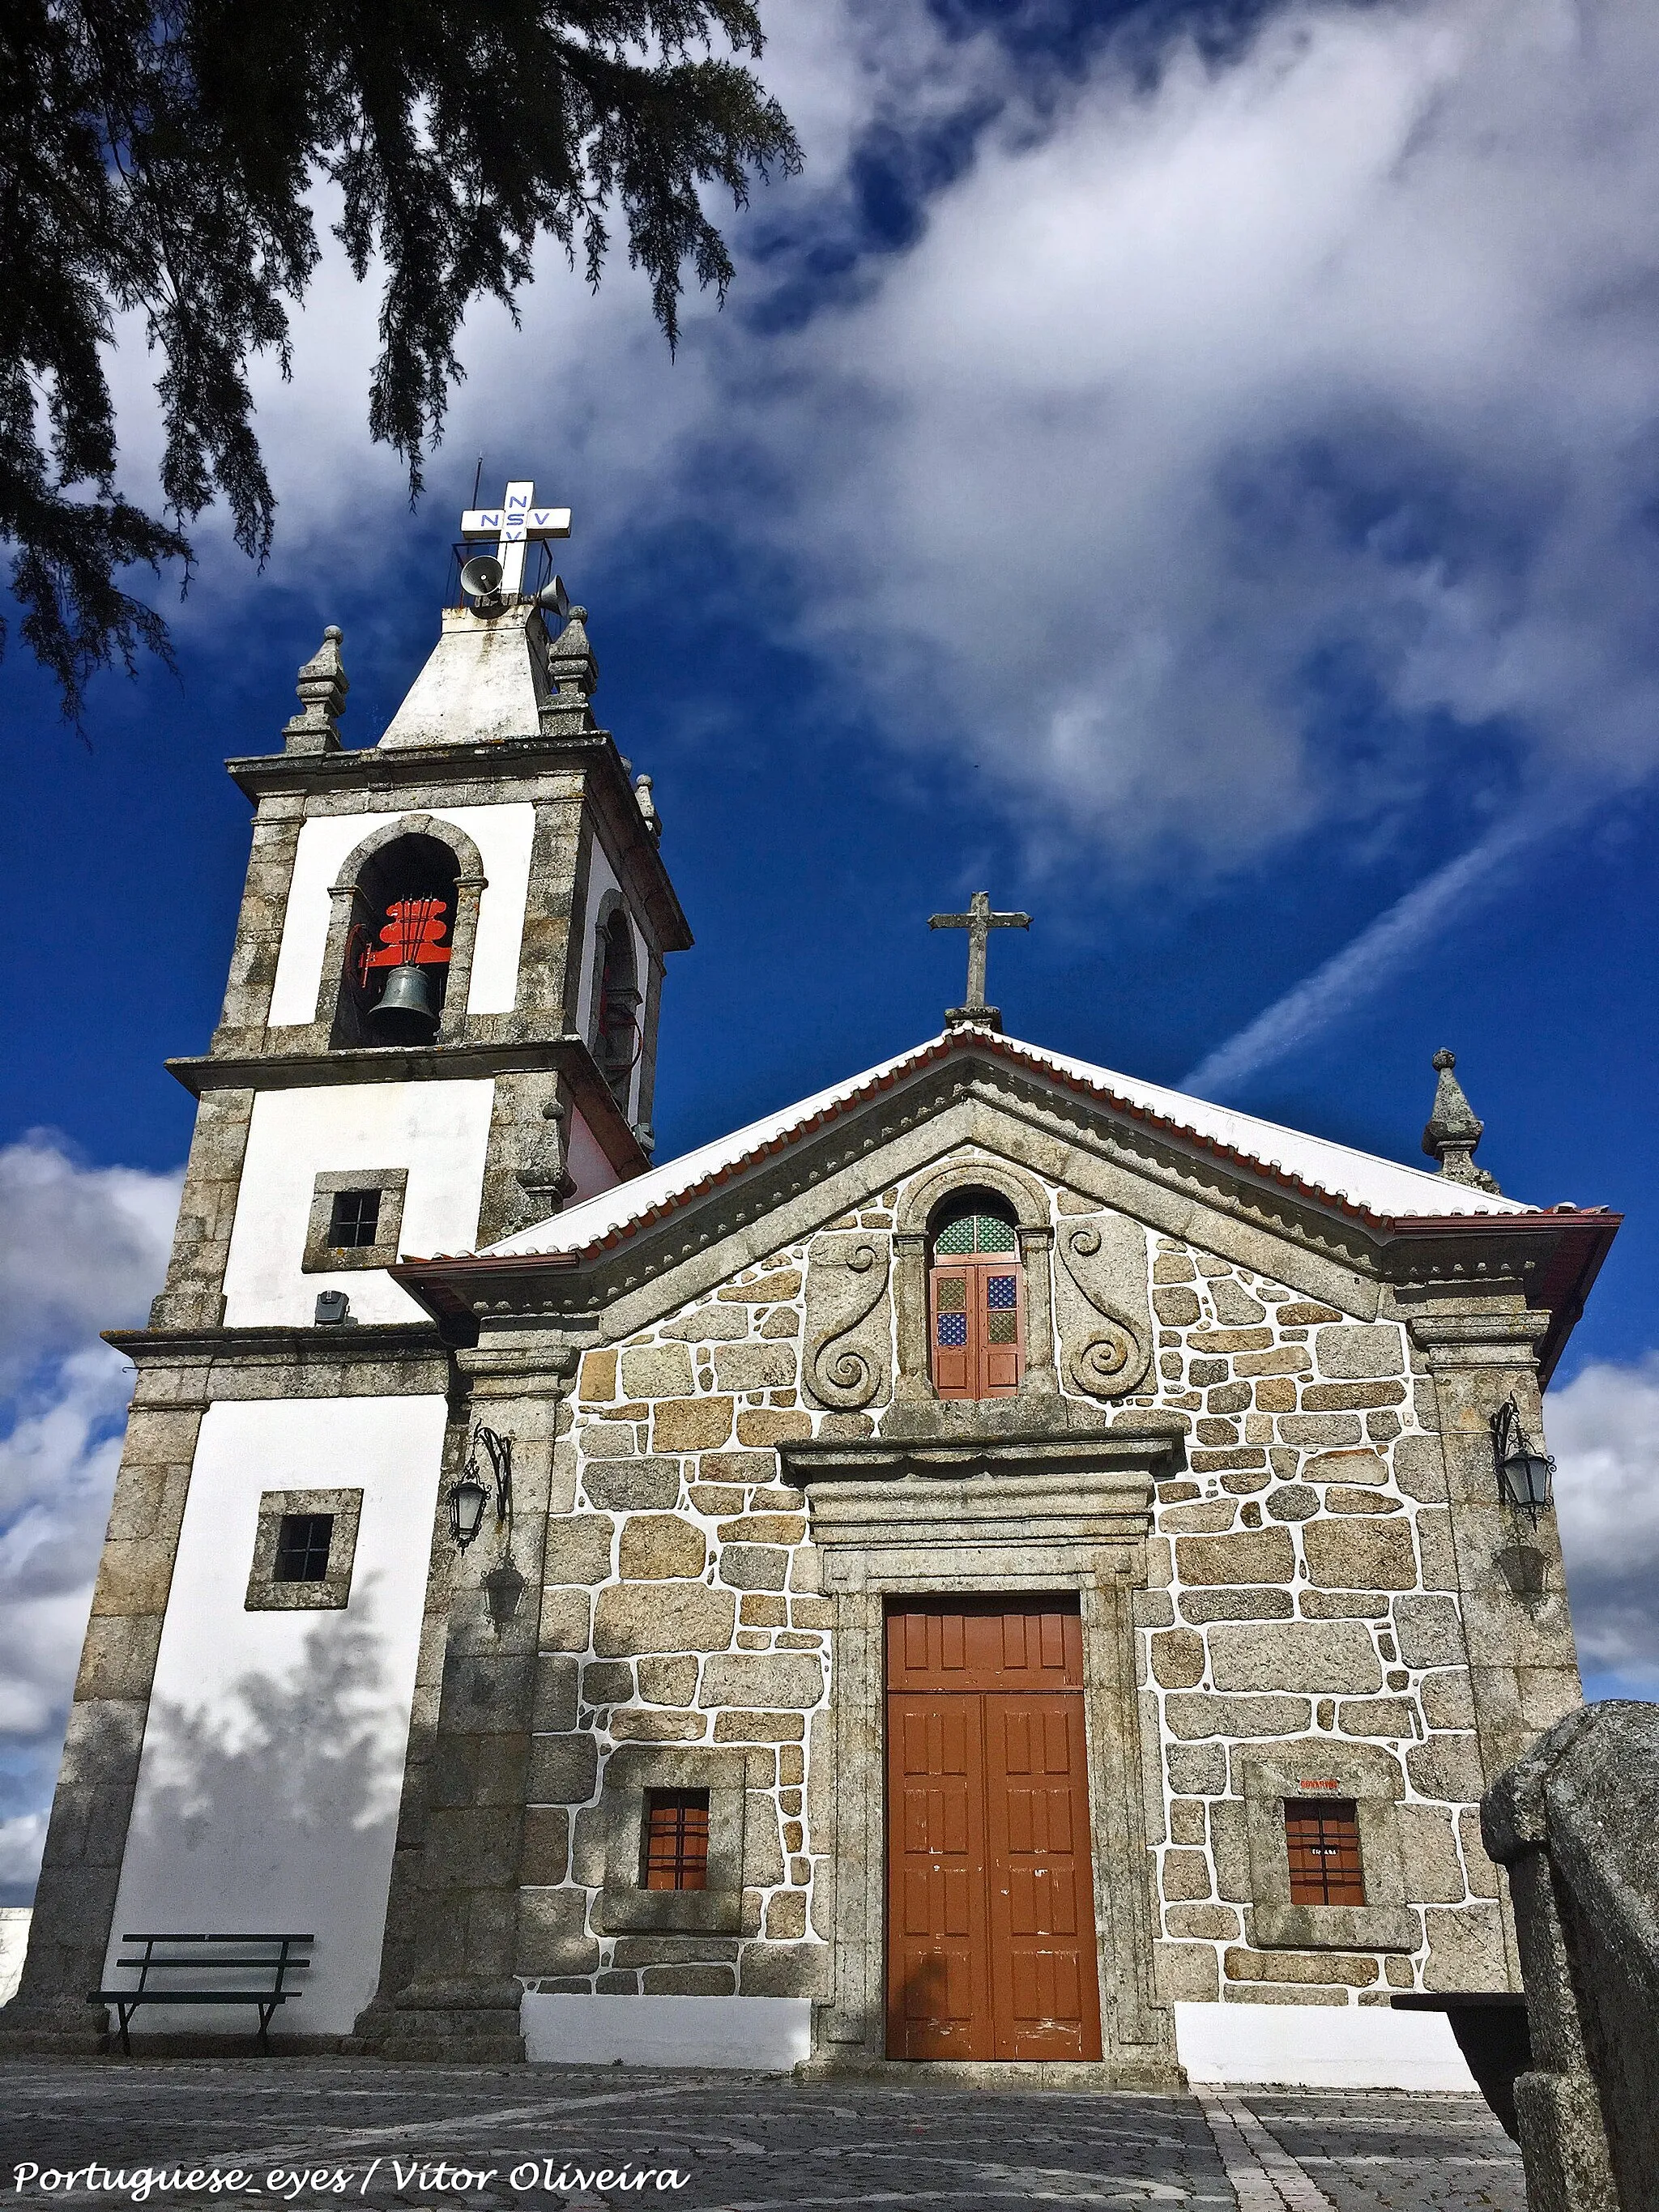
column 998, row 1565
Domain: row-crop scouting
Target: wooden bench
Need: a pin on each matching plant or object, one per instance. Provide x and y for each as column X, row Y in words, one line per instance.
column 200, row 1956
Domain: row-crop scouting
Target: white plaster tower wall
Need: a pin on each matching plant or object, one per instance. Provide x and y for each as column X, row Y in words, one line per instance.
column 274, row 1750
column 588, row 1163
column 438, row 1132
column 503, row 835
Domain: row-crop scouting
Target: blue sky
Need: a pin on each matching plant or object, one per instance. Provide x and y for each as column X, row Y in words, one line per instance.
column 1190, row 472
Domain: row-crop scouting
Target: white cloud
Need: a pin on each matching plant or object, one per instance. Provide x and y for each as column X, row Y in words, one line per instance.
column 1200, row 393
column 85, row 1248
column 1604, row 1431
column 1339, row 353
column 1402, row 935
column 1345, row 347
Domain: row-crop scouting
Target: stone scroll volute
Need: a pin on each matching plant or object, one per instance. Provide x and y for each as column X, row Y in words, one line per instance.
column 849, row 1324
column 1105, row 1322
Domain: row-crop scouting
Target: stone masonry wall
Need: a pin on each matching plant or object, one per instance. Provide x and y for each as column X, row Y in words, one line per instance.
column 683, row 1578
column 1301, row 1583
column 1308, row 1587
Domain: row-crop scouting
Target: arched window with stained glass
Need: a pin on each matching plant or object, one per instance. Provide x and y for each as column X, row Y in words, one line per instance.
column 977, row 1299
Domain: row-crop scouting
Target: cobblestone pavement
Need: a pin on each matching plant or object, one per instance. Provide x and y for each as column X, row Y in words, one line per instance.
column 320, row 2133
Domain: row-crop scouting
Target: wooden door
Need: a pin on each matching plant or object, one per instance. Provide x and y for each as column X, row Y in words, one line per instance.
column 990, row 1920
column 977, row 1326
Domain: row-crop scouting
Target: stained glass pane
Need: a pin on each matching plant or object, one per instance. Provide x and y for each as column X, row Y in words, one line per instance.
column 1001, row 1293
column 1002, row 1329
column 952, row 1330
column 995, row 1235
column 957, row 1237
column 951, row 1295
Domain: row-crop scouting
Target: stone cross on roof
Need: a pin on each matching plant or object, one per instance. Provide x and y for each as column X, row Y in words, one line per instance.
column 513, row 524
column 978, row 921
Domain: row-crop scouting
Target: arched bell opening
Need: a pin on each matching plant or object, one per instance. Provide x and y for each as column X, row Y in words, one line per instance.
column 975, row 1296
column 618, row 1039
column 400, row 944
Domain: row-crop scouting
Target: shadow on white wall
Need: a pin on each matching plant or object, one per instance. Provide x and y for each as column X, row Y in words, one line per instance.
column 270, row 1807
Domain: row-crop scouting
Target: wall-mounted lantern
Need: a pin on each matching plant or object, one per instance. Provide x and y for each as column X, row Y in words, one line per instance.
column 471, row 1494
column 1523, row 1474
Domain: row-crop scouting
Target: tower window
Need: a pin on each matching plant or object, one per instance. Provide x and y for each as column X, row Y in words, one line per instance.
column 355, row 1219
column 400, row 946
column 617, row 1037
column 675, row 1839
column 975, row 1301
column 302, row 1547
column 1321, row 1841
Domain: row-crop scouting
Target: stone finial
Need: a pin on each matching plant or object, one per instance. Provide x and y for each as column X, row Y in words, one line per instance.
column 648, row 813
column 322, row 695
column 545, row 1177
column 322, row 687
column 1454, row 1129
column 573, row 675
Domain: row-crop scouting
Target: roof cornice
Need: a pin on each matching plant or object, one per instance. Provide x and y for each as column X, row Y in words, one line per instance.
column 467, row 1059
column 367, row 769
column 1548, row 1256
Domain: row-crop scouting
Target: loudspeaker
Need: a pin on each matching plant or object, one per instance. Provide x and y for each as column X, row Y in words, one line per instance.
column 481, row 579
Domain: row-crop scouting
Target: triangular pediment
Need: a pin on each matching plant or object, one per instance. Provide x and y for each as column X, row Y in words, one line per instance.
column 1324, row 1218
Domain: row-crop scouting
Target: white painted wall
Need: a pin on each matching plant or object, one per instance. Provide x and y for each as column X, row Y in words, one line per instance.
column 1320, row 2046
column 273, row 1756
column 438, row 1131
column 14, row 1942
column 769, row 2034
column 586, row 1160
column 502, row 836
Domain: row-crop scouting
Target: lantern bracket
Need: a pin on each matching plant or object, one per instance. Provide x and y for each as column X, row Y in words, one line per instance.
column 1524, row 1475
column 470, row 1494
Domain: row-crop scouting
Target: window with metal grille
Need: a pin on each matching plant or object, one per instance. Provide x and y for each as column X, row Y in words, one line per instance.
column 355, row 1219
column 1323, row 1842
column 676, row 1838
column 976, row 1232
column 302, row 1544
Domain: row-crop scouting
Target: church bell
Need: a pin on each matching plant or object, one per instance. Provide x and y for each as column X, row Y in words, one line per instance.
column 406, row 1009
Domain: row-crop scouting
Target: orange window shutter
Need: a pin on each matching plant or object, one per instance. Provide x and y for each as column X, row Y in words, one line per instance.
column 1321, row 1842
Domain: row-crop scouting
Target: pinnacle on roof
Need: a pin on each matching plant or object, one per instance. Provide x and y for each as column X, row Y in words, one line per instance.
column 573, row 675
column 322, row 687
column 1454, row 1129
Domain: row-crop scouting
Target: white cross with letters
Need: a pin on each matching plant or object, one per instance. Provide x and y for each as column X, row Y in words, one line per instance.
column 513, row 524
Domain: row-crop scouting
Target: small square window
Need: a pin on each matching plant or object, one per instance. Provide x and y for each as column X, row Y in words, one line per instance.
column 1323, row 1842
column 305, row 1545
column 675, row 1839
column 302, row 1547
column 355, row 1219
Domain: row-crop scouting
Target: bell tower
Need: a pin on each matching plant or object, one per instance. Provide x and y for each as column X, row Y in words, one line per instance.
column 440, row 1027
column 447, row 971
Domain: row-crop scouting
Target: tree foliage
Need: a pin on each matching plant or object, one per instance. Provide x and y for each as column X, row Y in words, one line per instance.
column 158, row 160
